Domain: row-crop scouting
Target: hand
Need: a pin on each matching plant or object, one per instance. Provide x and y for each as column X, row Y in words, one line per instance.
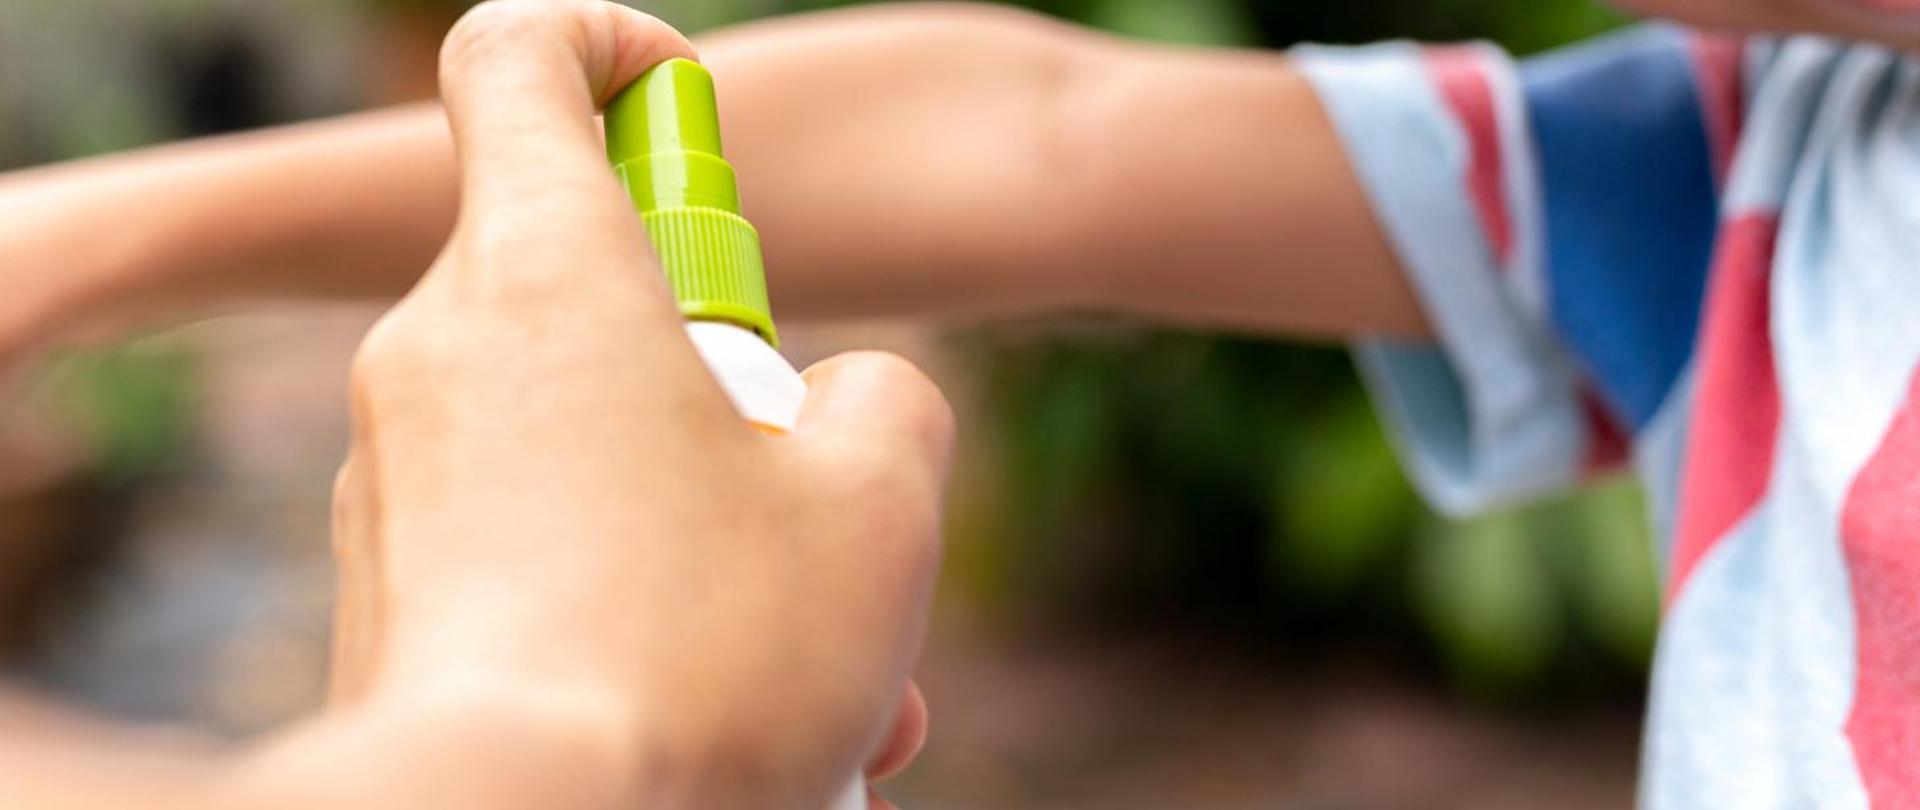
column 550, row 505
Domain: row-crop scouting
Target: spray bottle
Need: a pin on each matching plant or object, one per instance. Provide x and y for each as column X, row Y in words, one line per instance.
column 663, row 137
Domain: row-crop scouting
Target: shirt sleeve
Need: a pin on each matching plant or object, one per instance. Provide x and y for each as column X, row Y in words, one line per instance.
column 1556, row 217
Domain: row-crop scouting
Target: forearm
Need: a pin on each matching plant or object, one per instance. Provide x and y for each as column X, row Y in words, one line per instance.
column 939, row 160
column 352, row 207
column 484, row 753
column 915, row 161
column 898, row 160
column 58, row 758
column 888, row 158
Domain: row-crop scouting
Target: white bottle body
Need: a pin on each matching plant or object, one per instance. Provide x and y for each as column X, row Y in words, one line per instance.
column 763, row 386
column 768, row 393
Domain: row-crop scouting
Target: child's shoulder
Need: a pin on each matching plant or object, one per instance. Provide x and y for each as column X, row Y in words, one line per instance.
column 1810, row 102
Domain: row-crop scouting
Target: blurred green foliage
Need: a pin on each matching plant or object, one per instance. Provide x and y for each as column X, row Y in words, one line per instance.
column 1141, row 475
column 134, row 406
column 1239, row 485
column 1244, row 484
column 1131, row 475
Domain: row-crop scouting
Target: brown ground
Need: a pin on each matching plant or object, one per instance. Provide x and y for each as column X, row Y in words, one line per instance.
column 217, row 614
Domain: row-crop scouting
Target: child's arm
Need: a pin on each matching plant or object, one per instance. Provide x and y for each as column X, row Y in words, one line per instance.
column 925, row 160
column 352, row 207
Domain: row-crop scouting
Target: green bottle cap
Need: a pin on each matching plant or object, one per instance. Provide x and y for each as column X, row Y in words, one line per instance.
column 663, row 137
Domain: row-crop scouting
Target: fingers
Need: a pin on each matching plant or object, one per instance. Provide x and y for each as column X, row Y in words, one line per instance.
column 881, row 408
column 522, row 80
column 357, row 602
column 882, row 423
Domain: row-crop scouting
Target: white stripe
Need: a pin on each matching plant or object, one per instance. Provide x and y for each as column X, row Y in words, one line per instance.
column 1659, row 453
column 1494, row 415
column 1756, row 671
column 1749, row 673
column 1846, row 281
column 1795, row 79
column 1520, row 176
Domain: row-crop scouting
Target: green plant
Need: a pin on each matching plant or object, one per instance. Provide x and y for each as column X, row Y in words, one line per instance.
column 1227, row 480
column 133, row 405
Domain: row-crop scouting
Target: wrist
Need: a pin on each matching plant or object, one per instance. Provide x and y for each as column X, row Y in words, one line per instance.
column 449, row 750
column 674, row 735
column 482, row 741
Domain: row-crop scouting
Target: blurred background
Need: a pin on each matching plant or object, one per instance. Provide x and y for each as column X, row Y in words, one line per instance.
column 1185, row 571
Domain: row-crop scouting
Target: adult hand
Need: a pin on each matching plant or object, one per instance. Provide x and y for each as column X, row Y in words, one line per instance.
column 550, row 505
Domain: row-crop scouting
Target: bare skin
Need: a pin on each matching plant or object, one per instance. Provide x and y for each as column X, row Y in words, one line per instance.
column 999, row 164
column 569, row 575
column 976, row 162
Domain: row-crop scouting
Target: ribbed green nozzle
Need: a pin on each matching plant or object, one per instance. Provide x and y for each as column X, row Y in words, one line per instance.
column 663, row 137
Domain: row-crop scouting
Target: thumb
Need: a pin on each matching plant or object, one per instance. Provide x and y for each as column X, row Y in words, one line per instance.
column 522, row 80
column 877, row 405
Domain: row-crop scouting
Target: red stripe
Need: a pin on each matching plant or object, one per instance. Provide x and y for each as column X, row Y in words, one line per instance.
column 1463, row 78
column 1880, row 529
column 1607, row 442
column 1737, row 415
column 1719, row 58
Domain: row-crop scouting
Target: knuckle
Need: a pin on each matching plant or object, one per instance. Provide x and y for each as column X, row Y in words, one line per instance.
column 345, row 485
column 488, row 28
column 883, row 363
column 512, row 271
column 396, row 349
column 881, row 513
column 346, row 510
column 608, row 36
column 880, row 476
column 864, row 471
column 521, row 272
column 376, row 358
column 926, row 408
column 354, row 541
column 909, row 377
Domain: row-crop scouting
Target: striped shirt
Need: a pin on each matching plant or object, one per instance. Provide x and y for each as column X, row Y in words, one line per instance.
column 1698, row 258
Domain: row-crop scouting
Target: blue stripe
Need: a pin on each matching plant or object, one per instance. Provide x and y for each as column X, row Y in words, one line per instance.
column 1631, row 208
